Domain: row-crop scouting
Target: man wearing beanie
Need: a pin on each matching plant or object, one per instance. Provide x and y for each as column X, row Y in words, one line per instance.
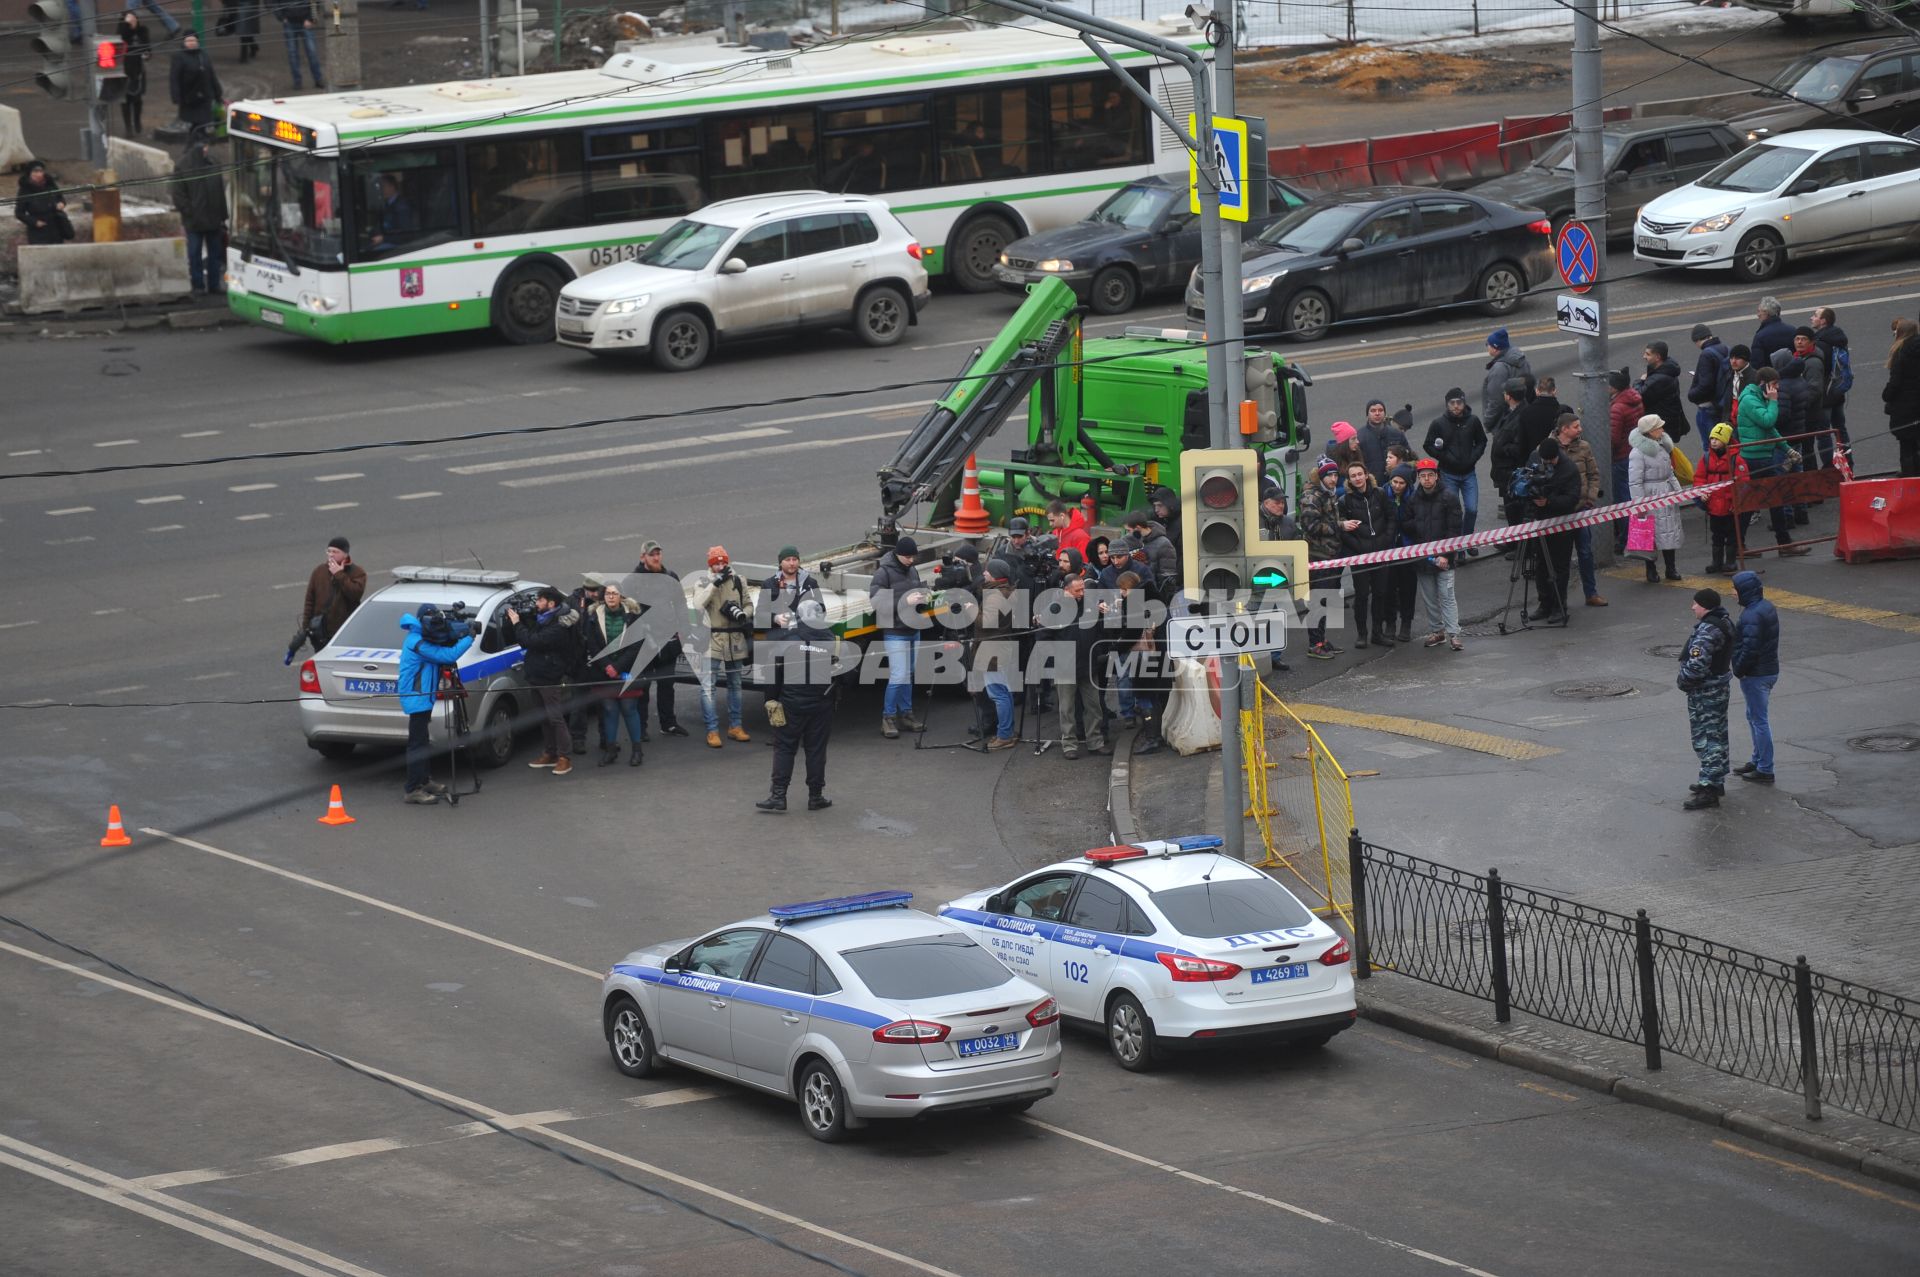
column 1457, row 440
column 1320, row 528
column 1706, row 663
column 660, row 669
column 1376, row 435
column 334, row 589
column 723, row 602
column 783, row 591
column 1504, row 362
column 1553, row 561
column 1711, row 391
column 897, row 594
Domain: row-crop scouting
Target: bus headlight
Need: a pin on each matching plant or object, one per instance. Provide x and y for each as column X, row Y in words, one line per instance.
column 628, row 305
column 314, row 301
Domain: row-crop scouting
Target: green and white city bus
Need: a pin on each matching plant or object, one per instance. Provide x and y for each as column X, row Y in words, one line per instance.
column 420, row 209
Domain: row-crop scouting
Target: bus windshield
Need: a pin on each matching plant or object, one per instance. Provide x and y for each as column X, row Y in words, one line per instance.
column 286, row 204
column 686, row 245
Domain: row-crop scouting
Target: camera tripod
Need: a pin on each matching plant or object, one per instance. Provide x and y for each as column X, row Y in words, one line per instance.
column 1530, row 556
column 453, row 694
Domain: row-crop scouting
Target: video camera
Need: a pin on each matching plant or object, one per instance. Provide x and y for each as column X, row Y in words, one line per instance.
column 442, row 625
column 1528, row 481
column 955, row 573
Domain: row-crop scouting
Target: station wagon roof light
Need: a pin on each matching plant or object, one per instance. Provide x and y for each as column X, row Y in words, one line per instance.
column 840, row 904
column 454, row 576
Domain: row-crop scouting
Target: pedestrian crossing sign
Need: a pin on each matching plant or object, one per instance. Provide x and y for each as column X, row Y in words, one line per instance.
column 1228, row 138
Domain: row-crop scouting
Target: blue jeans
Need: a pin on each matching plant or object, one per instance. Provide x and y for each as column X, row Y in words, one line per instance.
column 1467, row 488
column 1123, row 686
column 1583, row 551
column 715, row 670
column 900, row 653
column 1002, row 697
column 207, row 260
column 1757, row 692
column 296, row 33
column 153, row 7
column 629, row 710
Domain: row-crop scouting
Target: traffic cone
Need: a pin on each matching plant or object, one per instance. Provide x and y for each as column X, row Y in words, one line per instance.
column 116, row 835
column 336, row 810
column 971, row 519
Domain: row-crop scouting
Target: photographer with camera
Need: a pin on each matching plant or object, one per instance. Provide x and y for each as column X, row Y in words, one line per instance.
column 722, row 598
column 621, row 698
column 430, row 646
column 897, row 594
column 334, row 589
column 1548, row 485
column 784, row 590
column 550, row 643
column 800, row 652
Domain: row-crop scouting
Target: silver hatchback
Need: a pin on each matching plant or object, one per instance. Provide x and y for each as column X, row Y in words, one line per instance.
column 856, row 1007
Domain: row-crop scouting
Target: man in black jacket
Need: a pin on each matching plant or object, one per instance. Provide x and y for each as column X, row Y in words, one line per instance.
column 193, row 84
column 1558, row 493
column 801, row 706
column 1506, row 432
column 660, row 669
column 1457, row 440
column 1660, row 389
column 200, row 196
column 1367, row 523
column 1432, row 513
column 897, row 594
column 582, row 705
column 550, row 643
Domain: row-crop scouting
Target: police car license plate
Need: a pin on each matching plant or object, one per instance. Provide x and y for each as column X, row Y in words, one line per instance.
column 988, row 1045
column 1649, row 242
column 1267, row 975
column 372, row 686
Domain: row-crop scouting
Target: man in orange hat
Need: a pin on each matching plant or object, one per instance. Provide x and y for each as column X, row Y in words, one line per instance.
column 722, row 598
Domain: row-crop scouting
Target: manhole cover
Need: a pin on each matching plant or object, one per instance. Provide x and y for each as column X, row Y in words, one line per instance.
column 1884, row 743
column 1602, row 691
column 1882, row 1053
column 1471, row 929
column 1670, row 651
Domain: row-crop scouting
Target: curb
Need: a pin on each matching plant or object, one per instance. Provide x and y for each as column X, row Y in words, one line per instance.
column 1634, row 1090
column 1120, row 788
column 100, row 324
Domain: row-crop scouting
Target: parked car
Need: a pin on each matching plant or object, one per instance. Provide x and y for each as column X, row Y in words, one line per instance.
column 1383, row 250
column 752, row 266
column 1795, row 13
column 1143, row 237
column 1808, row 192
column 1864, row 84
column 1642, row 158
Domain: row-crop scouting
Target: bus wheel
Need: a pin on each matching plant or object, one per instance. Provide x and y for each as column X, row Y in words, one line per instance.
column 523, row 308
column 973, row 253
column 681, row 342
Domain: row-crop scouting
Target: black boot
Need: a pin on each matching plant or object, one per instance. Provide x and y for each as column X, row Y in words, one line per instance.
column 1673, row 568
column 817, row 801
column 1653, row 573
column 1381, row 638
column 609, row 754
column 775, row 801
column 636, row 759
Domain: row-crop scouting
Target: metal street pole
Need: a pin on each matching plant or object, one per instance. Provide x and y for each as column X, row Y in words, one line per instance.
column 95, row 137
column 1230, row 334
column 486, row 39
column 1590, row 207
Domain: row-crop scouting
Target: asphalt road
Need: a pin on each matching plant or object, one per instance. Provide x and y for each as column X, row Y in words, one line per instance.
column 454, row 950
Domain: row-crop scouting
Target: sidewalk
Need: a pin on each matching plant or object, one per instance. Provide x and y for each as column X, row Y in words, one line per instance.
column 1824, row 864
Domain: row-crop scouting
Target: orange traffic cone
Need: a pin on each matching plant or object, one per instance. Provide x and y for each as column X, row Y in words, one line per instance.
column 116, row 835
column 336, row 810
column 972, row 518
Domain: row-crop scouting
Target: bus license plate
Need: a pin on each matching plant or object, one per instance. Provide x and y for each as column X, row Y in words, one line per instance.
column 272, row 317
column 1267, row 975
column 372, row 686
column 987, row 1046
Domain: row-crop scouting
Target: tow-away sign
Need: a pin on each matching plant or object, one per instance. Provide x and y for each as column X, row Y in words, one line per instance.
column 1195, row 637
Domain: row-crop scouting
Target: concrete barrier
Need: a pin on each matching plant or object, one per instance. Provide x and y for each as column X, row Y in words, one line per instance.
column 136, row 166
column 71, row 277
column 13, row 141
column 138, row 220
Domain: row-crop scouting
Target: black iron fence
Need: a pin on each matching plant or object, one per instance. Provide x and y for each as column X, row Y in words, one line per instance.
column 1779, row 1023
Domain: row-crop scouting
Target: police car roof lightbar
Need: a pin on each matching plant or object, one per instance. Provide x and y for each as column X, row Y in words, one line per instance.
column 1121, row 851
column 455, row 576
column 840, row 904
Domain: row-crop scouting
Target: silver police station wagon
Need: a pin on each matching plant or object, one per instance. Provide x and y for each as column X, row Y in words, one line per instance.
column 856, row 1007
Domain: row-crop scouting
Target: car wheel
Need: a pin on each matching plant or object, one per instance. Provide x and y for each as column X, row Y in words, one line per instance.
column 881, row 316
column 1114, row 291
column 972, row 254
column 681, row 342
column 523, row 307
column 494, row 746
column 1758, row 257
column 630, row 1040
column 1130, row 1035
column 1309, row 315
column 1501, row 288
column 823, row 1105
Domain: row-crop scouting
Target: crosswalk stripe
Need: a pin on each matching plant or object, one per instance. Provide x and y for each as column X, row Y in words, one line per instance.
column 619, row 450
column 676, row 463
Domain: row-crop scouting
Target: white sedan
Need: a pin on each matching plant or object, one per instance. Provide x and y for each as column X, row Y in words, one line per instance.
column 1169, row 945
column 1787, row 197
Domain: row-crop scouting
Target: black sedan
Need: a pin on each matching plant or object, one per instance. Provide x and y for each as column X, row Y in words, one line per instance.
column 1385, row 250
column 1142, row 237
column 1643, row 159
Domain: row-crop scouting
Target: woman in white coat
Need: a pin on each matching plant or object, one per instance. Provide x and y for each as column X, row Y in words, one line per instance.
column 1650, row 473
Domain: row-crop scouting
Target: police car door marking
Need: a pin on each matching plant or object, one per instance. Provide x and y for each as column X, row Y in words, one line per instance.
column 752, row 993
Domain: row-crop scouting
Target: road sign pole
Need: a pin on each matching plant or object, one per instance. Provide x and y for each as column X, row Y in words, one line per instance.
column 1590, row 206
column 1227, row 394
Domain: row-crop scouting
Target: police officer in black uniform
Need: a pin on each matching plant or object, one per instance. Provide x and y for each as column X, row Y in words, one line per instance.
column 800, row 708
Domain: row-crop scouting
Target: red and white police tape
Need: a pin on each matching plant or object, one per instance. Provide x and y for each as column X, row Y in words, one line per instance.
column 1524, row 531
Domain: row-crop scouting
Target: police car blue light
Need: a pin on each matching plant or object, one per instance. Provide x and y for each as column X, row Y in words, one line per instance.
column 840, row 904
column 1197, row 842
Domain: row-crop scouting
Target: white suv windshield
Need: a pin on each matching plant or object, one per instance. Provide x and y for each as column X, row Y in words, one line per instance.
column 686, row 245
column 1758, row 168
column 1816, row 79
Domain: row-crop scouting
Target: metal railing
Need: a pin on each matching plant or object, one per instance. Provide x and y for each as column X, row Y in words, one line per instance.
column 1778, row 1023
column 1300, row 798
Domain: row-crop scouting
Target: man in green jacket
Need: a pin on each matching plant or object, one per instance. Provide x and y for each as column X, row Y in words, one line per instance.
column 1763, row 449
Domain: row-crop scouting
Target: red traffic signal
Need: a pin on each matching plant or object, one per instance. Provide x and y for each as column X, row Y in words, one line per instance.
column 1219, row 492
column 106, row 55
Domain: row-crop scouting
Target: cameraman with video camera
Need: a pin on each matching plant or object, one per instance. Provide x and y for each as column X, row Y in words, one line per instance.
column 1548, row 485
column 723, row 599
column 551, row 648
column 429, row 646
column 334, row 589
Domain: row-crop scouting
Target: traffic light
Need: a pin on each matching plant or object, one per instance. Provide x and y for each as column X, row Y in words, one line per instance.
column 109, row 69
column 1218, row 486
column 1260, row 410
column 1277, row 568
column 53, row 41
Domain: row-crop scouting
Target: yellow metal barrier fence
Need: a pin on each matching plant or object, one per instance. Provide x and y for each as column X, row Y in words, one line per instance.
column 1299, row 796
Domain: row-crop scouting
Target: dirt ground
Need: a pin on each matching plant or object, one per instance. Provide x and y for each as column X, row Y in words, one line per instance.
column 1374, row 73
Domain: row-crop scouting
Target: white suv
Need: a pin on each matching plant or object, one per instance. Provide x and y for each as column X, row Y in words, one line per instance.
column 755, row 265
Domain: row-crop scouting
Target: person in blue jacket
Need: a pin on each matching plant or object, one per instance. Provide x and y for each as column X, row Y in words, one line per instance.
column 1756, row 664
column 420, row 665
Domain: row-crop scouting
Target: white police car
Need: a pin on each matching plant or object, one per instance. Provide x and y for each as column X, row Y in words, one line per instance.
column 1169, row 945
column 348, row 693
column 857, row 1007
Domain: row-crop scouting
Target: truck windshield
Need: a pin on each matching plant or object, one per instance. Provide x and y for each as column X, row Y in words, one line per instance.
column 1134, row 207
column 686, row 245
column 286, row 204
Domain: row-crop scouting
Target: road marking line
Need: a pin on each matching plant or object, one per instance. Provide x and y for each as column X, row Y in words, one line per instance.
column 676, row 463
column 69, row 540
column 334, row 505
column 336, row 478
column 199, row 434
column 447, row 1097
column 542, row 549
column 1812, row 603
column 108, row 611
column 115, row 691
column 625, row 536
column 113, row 1193
column 287, row 585
column 400, row 910
column 200, row 598
column 252, row 487
column 415, row 496
column 115, row 443
column 1797, row 1168
column 389, row 410
column 250, row 518
column 27, row 452
column 72, row 509
column 1507, row 747
column 208, row 678
column 1549, row 1091
column 168, row 527
column 174, row 496
column 620, row 450
column 1206, row 1182
column 17, row 625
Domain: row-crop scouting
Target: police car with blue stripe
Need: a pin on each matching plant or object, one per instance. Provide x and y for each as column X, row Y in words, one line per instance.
column 348, row 690
column 1169, row 945
column 856, row 1007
